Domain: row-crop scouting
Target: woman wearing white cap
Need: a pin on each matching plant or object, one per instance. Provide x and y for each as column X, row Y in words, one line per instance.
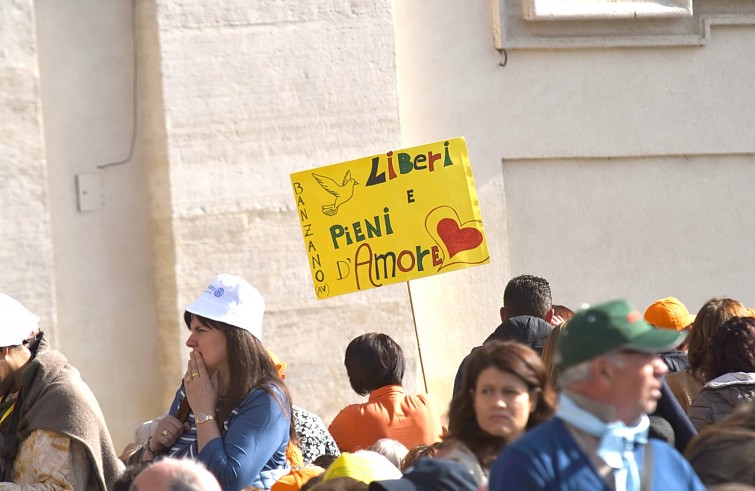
column 240, row 419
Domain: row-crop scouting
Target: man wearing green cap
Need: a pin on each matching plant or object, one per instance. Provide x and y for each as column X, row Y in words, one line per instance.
column 610, row 379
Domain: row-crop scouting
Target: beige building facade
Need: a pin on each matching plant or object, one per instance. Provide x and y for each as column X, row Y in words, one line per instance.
column 147, row 146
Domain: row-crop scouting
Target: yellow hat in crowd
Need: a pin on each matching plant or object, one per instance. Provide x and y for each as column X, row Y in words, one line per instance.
column 363, row 466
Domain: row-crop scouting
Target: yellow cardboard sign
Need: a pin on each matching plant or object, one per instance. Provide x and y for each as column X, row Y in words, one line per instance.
column 390, row 218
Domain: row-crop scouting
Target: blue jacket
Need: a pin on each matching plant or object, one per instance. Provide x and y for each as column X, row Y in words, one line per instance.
column 252, row 451
column 548, row 458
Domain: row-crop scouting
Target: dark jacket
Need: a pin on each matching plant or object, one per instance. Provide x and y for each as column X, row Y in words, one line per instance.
column 675, row 360
column 525, row 329
column 720, row 396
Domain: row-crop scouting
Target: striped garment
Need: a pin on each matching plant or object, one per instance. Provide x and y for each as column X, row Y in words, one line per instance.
column 186, row 445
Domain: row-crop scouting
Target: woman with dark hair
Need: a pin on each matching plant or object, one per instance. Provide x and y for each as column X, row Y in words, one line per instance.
column 238, row 418
column 505, row 391
column 375, row 366
column 731, row 371
column 685, row 384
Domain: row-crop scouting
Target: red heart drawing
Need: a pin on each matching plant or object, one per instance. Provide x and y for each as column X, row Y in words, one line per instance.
column 458, row 239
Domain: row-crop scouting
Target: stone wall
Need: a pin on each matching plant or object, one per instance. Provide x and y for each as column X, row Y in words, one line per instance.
column 610, row 172
column 103, row 261
column 26, row 267
column 252, row 94
column 234, row 97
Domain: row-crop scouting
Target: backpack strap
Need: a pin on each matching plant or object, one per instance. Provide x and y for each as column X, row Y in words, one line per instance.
column 646, row 481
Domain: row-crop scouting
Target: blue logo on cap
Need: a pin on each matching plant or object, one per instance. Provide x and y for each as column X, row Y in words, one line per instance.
column 219, row 292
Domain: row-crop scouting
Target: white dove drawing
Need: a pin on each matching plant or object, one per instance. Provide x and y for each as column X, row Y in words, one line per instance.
column 342, row 192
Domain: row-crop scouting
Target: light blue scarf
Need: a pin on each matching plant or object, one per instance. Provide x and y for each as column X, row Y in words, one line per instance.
column 617, row 440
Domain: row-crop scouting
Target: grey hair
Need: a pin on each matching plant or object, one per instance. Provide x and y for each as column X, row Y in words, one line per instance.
column 575, row 373
column 192, row 475
column 581, row 371
column 391, row 449
column 185, row 475
column 615, row 358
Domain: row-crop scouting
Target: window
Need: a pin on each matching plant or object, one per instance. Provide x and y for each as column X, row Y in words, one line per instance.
column 613, row 23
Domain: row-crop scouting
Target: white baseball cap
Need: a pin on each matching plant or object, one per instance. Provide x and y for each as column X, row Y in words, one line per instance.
column 17, row 324
column 231, row 299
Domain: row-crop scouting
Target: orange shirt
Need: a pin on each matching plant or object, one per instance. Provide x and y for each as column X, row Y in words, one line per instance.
column 389, row 413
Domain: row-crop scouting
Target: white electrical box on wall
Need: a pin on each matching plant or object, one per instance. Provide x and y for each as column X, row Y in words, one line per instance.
column 89, row 195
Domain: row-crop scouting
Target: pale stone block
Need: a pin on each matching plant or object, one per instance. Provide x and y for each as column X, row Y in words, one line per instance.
column 251, row 95
column 201, row 15
column 278, row 107
column 673, row 227
column 26, row 270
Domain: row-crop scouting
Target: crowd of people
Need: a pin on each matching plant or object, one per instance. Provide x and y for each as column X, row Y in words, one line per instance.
column 602, row 399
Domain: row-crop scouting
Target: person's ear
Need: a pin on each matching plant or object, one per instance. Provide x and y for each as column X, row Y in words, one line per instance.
column 549, row 315
column 602, row 369
column 503, row 314
column 597, row 371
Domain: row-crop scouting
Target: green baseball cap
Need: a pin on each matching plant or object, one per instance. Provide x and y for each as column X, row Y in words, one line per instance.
column 605, row 327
